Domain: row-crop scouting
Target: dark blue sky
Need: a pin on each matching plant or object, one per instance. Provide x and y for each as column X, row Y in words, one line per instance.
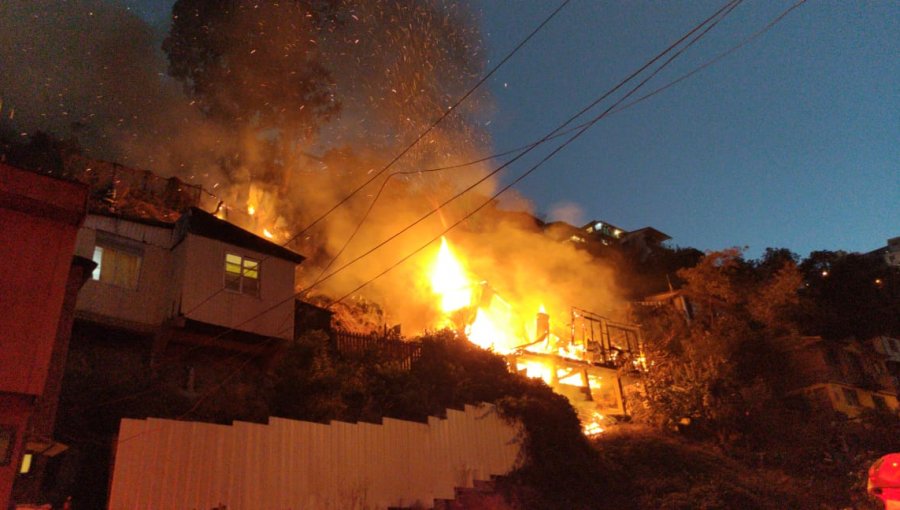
column 790, row 142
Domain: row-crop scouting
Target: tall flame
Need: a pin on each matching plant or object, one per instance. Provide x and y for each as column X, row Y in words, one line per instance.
column 449, row 280
column 493, row 323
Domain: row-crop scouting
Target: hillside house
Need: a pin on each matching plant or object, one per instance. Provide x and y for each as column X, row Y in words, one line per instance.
column 847, row 376
column 198, row 274
column 178, row 319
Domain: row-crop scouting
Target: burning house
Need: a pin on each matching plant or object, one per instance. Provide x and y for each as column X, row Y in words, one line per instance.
column 583, row 358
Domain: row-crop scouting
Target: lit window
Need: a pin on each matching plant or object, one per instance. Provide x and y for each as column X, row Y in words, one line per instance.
column 26, row 464
column 241, row 274
column 117, row 265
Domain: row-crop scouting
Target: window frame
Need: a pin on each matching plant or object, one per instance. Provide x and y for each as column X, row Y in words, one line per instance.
column 242, row 276
column 111, row 247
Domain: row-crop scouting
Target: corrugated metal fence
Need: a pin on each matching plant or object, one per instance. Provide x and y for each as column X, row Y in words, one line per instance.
column 288, row 464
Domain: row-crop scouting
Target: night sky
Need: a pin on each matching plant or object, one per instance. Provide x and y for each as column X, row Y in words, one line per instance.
column 790, row 142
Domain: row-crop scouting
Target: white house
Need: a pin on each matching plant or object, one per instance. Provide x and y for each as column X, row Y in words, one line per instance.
column 200, row 273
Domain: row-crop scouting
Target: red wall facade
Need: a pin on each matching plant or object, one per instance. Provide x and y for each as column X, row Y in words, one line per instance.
column 39, row 217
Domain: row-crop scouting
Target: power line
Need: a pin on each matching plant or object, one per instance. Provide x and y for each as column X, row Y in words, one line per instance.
column 727, row 7
column 584, row 127
column 624, row 107
column 528, row 148
column 538, row 164
column 409, row 147
column 436, row 122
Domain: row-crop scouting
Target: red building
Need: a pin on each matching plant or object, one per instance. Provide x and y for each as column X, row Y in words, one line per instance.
column 39, row 218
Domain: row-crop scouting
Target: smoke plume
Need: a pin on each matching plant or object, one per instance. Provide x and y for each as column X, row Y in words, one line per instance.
column 94, row 71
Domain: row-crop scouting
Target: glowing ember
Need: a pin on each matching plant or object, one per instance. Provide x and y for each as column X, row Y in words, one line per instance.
column 251, row 210
column 268, row 234
column 448, row 280
column 592, row 427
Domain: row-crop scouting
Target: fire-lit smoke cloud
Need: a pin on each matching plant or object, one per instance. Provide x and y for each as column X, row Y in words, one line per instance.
column 94, row 71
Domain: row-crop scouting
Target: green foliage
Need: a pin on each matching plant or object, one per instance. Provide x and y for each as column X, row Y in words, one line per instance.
column 726, row 371
column 667, row 472
column 701, row 368
column 559, row 469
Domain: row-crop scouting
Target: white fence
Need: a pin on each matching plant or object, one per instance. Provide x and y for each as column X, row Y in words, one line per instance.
column 296, row 465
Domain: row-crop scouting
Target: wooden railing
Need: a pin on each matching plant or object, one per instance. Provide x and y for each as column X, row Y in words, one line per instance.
column 357, row 344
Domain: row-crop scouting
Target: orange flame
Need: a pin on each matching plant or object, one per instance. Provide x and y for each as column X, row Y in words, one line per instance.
column 494, row 324
column 449, row 280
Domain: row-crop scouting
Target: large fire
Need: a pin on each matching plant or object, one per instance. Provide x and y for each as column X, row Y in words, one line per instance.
column 449, row 281
column 570, row 367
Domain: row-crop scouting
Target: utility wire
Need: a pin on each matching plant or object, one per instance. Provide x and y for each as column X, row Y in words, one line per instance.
column 534, row 167
column 724, row 9
column 436, row 122
column 409, row 147
column 585, row 126
column 729, row 6
column 637, row 101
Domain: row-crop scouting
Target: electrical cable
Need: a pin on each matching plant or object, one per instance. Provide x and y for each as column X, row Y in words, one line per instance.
column 436, row 122
column 527, row 173
column 409, row 147
column 705, row 65
column 613, row 109
column 546, row 138
column 728, row 6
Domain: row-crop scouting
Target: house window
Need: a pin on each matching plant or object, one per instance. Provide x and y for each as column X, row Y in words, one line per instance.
column 241, row 274
column 117, row 265
column 851, row 397
column 880, row 403
column 25, row 467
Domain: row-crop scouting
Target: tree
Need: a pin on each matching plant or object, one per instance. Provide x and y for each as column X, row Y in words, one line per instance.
column 700, row 370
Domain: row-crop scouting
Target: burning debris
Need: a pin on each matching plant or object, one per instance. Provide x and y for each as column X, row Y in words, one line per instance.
column 581, row 361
